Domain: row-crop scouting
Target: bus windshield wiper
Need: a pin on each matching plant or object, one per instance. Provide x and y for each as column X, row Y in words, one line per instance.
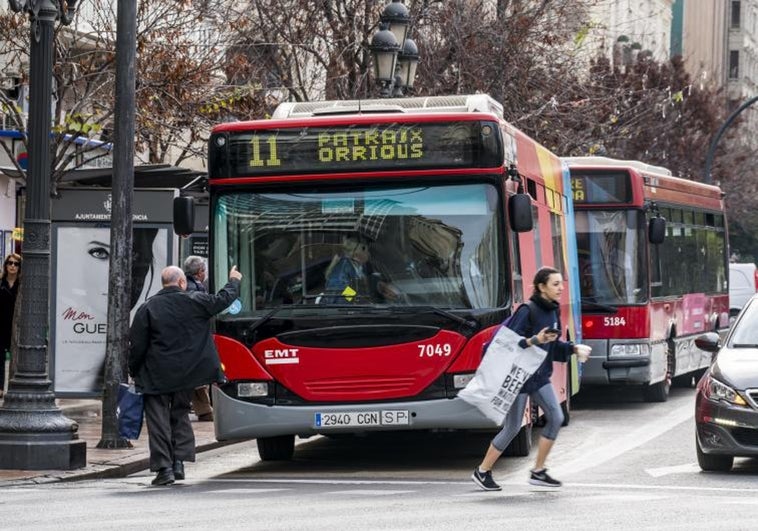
column 264, row 319
column 471, row 324
column 599, row 306
column 744, row 345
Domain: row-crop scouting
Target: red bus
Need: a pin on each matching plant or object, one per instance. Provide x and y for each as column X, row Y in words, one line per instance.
column 653, row 261
column 381, row 243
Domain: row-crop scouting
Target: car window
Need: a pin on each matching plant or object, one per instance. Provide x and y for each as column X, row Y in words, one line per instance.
column 745, row 330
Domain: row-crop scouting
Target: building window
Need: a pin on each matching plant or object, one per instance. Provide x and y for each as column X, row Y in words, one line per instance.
column 735, row 19
column 734, row 64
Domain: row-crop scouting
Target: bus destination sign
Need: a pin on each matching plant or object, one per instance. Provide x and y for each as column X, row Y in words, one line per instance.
column 357, row 147
column 592, row 187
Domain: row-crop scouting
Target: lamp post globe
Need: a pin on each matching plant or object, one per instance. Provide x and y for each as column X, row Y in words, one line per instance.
column 408, row 59
column 384, row 47
column 397, row 17
column 395, row 55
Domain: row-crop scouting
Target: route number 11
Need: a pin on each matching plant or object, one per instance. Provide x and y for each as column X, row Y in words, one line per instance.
column 273, row 157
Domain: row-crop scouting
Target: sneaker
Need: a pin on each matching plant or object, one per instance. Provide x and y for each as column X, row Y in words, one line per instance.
column 484, row 480
column 542, row 479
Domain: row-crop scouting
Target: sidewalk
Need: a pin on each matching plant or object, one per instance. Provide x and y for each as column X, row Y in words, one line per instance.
column 102, row 463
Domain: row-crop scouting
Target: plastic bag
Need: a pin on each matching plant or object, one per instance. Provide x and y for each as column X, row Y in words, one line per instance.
column 129, row 411
column 501, row 374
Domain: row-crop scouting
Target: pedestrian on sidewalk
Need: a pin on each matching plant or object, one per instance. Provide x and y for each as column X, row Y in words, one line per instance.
column 538, row 322
column 9, row 283
column 196, row 272
column 172, row 353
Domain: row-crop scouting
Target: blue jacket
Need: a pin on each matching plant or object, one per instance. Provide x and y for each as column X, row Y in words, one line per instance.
column 545, row 314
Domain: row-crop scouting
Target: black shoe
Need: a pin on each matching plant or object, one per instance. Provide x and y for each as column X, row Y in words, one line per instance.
column 484, row 480
column 205, row 417
column 542, row 479
column 165, row 476
column 178, row 470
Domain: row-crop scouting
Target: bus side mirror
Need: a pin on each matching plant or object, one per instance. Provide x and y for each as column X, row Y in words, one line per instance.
column 656, row 230
column 184, row 215
column 520, row 212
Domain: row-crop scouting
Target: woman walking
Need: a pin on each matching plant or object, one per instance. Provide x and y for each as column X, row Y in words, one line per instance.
column 539, row 325
column 8, row 292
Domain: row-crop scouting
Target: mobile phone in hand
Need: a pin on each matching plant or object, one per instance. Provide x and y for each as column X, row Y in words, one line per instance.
column 553, row 331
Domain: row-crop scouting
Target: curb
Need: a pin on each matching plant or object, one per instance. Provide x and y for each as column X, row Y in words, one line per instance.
column 104, row 471
column 127, row 469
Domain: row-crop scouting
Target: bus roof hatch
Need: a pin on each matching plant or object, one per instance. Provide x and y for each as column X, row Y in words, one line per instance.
column 460, row 103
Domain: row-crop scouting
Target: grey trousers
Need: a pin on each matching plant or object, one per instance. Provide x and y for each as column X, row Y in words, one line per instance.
column 169, row 429
column 546, row 399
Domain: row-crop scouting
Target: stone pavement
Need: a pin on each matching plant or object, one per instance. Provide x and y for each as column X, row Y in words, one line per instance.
column 102, row 463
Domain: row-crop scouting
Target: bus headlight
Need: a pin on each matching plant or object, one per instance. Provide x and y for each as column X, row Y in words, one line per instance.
column 630, row 350
column 252, row 389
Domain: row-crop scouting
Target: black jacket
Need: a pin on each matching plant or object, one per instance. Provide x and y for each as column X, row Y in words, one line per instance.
column 194, row 285
column 545, row 313
column 8, row 296
column 171, row 344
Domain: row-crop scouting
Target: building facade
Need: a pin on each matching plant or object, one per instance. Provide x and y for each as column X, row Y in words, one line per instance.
column 622, row 29
column 719, row 43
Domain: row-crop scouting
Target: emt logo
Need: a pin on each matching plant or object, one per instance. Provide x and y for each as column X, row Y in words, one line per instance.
column 281, row 356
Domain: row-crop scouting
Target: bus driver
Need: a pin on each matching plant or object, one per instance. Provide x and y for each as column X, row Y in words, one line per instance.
column 351, row 276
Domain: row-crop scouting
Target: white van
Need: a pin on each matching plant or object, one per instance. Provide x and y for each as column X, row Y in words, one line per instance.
column 743, row 283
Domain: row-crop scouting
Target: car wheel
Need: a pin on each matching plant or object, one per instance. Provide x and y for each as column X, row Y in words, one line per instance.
column 713, row 463
column 278, row 448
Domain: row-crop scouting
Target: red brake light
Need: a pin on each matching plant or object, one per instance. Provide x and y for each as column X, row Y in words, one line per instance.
column 755, row 276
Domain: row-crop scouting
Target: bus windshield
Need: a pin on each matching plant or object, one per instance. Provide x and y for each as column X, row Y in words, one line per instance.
column 402, row 245
column 611, row 256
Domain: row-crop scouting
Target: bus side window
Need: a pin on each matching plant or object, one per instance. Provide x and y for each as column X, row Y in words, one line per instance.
column 536, row 232
column 656, row 282
column 518, row 279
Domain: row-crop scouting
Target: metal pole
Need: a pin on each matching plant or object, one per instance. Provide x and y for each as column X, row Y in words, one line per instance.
column 34, row 433
column 717, row 137
column 120, row 272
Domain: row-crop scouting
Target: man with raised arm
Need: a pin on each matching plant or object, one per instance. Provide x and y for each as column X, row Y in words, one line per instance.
column 172, row 353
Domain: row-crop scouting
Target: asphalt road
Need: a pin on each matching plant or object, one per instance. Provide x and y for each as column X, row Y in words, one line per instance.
column 625, row 465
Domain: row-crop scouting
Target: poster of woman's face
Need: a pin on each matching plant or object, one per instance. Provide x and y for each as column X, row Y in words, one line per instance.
column 82, row 257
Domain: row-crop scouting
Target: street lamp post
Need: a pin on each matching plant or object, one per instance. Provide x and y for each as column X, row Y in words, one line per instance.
column 707, row 178
column 34, row 433
column 395, row 54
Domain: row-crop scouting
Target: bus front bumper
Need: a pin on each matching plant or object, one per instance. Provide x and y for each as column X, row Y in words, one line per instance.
column 238, row 419
column 600, row 370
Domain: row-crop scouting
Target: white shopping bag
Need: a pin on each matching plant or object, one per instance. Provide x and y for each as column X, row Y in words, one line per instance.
column 501, row 374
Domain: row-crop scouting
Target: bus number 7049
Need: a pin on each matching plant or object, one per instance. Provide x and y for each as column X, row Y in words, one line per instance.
column 434, row 350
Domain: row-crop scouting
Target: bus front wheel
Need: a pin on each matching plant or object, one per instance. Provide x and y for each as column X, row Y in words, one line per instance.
column 278, row 448
column 521, row 445
column 659, row 392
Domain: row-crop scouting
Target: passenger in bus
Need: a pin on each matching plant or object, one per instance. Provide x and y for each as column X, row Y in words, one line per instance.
column 539, row 324
column 350, row 277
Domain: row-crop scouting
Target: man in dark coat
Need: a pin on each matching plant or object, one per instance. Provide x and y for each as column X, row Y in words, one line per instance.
column 171, row 354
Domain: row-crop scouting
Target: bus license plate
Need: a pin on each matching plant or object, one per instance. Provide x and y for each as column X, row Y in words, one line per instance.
column 352, row 419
